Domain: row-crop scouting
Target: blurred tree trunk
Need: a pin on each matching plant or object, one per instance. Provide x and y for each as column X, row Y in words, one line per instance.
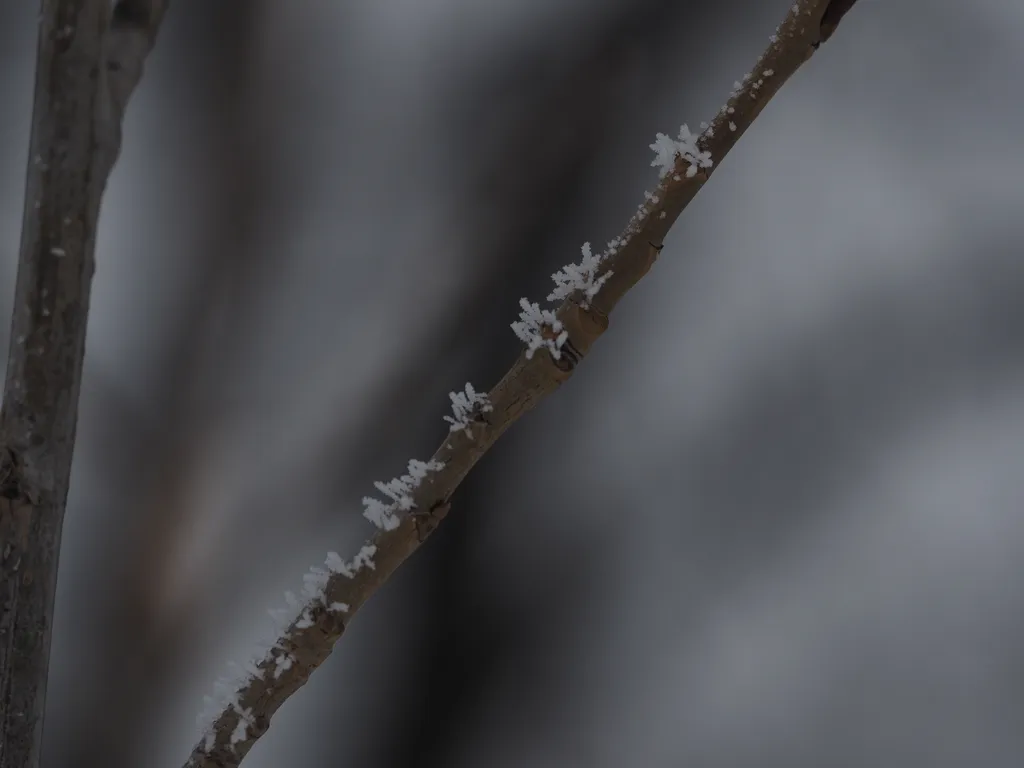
column 88, row 63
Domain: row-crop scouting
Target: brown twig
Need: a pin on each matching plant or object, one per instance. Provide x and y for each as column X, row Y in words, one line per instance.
column 88, row 63
column 342, row 588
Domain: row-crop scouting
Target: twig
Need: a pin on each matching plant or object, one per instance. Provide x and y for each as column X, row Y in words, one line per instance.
column 557, row 342
column 88, row 62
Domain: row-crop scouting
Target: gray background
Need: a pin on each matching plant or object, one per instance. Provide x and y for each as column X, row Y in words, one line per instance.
column 775, row 520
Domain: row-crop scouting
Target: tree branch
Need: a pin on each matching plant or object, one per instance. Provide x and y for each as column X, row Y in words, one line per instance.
column 88, row 62
column 560, row 340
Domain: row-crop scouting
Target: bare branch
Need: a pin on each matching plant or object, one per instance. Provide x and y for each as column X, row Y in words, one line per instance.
column 87, row 65
column 561, row 339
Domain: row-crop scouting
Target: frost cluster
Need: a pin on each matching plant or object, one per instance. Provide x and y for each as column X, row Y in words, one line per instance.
column 666, row 150
column 275, row 659
column 464, row 405
column 538, row 328
column 385, row 514
column 228, row 690
column 581, row 277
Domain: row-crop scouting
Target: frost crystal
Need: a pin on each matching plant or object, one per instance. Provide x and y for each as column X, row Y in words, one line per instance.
column 538, row 328
column 283, row 663
column 225, row 697
column 666, row 149
column 385, row 514
column 335, row 564
column 583, row 276
column 314, row 583
column 464, row 405
column 364, row 559
column 282, row 617
column 273, row 659
column 245, row 721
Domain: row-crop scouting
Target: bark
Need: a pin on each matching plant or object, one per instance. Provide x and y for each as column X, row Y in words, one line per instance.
column 87, row 65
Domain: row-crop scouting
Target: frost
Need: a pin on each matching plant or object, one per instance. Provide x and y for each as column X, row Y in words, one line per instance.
column 245, row 720
column 385, row 514
column 364, row 557
column 583, row 276
column 614, row 244
column 283, row 663
column 281, row 617
column 273, row 658
column 464, row 405
column 225, row 697
column 314, row 583
column 379, row 513
column 538, row 328
column 667, row 149
column 335, row 564
column 398, row 491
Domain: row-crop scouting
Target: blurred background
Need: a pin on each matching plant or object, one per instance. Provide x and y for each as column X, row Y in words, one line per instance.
column 774, row 520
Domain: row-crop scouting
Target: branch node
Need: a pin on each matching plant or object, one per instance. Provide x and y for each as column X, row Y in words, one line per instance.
column 427, row 522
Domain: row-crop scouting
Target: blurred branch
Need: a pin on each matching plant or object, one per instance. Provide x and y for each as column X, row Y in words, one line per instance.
column 88, row 63
column 562, row 339
column 145, row 637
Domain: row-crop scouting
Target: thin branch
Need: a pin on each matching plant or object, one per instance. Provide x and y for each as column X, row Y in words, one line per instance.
column 88, row 63
column 561, row 339
column 558, row 126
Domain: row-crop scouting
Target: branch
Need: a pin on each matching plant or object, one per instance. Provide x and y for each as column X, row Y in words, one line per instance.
column 420, row 500
column 88, row 62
